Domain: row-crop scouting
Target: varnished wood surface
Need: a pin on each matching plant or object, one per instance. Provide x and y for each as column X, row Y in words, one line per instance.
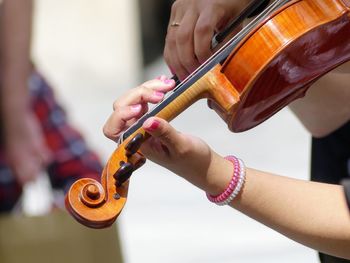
column 305, row 31
column 271, row 67
column 93, row 204
column 259, row 48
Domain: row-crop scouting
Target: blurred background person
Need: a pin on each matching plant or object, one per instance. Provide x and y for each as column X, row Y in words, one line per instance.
column 36, row 136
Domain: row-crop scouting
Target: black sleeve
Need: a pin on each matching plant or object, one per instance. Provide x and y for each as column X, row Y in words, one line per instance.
column 346, row 184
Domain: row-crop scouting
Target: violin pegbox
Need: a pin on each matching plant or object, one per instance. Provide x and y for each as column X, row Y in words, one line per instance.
column 97, row 204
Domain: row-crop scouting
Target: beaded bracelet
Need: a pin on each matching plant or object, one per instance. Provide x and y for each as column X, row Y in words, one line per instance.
column 234, row 186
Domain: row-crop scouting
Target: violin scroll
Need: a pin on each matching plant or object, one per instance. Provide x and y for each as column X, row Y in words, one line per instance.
column 257, row 79
column 97, row 205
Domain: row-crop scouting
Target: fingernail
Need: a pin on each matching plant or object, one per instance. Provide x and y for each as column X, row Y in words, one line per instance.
column 162, row 77
column 152, row 126
column 136, row 107
column 158, row 94
column 168, row 81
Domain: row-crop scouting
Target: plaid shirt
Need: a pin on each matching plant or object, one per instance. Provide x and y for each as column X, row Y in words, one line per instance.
column 71, row 157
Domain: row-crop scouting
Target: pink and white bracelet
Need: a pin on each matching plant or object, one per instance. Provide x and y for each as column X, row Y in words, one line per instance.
column 235, row 185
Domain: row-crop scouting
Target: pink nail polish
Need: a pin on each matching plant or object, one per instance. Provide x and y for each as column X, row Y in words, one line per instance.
column 168, row 81
column 153, row 126
column 136, row 107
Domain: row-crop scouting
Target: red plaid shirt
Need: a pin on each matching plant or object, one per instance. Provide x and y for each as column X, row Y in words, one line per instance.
column 71, row 157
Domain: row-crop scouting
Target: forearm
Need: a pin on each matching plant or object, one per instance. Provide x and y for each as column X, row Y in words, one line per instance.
column 326, row 105
column 344, row 68
column 310, row 213
column 15, row 55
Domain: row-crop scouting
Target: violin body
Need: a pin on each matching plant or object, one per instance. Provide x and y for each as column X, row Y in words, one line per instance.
column 272, row 66
column 283, row 57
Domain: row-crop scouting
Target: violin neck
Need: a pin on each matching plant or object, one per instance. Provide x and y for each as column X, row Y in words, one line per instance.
column 185, row 89
column 212, row 85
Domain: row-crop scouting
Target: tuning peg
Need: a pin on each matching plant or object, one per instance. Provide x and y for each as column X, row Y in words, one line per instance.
column 123, row 173
column 137, row 159
column 116, row 196
column 134, row 144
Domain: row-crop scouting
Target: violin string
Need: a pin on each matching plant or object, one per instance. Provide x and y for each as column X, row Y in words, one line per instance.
column 238, row 37
column 215, row 59
column 246, row 13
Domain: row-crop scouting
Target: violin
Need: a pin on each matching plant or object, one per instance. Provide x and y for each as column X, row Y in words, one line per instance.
column 268, row 64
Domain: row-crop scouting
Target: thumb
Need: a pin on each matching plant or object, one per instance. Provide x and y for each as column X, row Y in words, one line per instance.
column 164, row 132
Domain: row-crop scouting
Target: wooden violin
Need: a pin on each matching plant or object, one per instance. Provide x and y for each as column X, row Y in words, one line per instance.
column 268, row 64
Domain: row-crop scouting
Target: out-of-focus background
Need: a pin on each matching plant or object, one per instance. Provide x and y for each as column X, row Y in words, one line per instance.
column 93, row 51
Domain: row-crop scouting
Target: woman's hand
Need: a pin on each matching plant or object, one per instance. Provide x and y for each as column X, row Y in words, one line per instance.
column 133, row 104
column 185, row 155
column 26, row 149
column 191, row 28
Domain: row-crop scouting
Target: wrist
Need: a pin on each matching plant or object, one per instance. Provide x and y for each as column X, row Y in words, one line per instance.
column 235, row 185
column 14, row 110
column 14, row 99
column 14, row 125
column 219, row 175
